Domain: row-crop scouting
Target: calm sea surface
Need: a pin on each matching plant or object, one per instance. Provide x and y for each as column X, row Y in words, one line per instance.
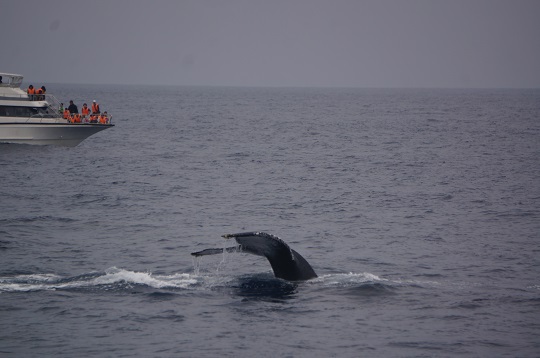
column 418, row 209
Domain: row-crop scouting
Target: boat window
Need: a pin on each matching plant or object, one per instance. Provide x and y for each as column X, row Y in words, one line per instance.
column 17, row 111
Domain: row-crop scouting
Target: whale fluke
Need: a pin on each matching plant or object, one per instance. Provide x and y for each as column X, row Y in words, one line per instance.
column 216, row 251
column 286, row 263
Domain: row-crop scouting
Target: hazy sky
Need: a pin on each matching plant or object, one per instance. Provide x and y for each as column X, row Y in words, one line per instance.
column 378, row 43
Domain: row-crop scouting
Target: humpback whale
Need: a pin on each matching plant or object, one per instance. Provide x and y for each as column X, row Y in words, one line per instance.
column 286, row 263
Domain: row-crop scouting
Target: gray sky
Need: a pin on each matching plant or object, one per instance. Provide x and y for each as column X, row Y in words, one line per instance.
column 351, row 43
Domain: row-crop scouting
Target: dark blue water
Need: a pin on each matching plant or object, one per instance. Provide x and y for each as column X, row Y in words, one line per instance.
column 419, row 210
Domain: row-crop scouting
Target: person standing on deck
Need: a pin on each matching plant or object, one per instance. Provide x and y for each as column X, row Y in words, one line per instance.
column 43, row 90
column 31, row 91
column 73, row 108
column 95, row 107
column 39, row 95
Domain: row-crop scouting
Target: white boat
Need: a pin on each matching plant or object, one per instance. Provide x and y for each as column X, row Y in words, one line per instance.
column 35, row 119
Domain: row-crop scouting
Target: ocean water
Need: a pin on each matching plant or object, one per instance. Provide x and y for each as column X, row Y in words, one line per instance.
column 418, row 209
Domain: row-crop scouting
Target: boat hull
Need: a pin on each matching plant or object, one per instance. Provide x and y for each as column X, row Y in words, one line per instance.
column 63, row 134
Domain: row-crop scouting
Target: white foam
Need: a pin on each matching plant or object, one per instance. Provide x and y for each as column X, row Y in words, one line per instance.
column 344, row 279
column 24, row 283
column 16, row 287
column 113, row 275
column 30, row 278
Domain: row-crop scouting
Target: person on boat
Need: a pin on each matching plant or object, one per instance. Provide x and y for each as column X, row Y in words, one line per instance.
column 66, row 114
column 95, row 107
column 39, row 95
column 43, row 90
column 61, row 108
column 76, row 118
column 103, row 119
column 93, row 118
column 73, row 108
column 31, row 91
column 85, row 111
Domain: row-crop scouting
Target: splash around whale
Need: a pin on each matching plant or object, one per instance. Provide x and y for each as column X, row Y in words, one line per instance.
column 286, row 263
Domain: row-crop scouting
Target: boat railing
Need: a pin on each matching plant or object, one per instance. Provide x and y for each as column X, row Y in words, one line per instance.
column 53, row 103
column 91, row 118
column 43, row 116
column 82, row 119
column 49, row 98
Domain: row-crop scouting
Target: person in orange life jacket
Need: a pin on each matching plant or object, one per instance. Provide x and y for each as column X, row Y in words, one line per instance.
column 93, row 118
column 31, row 91
column 103, row 119
column 73, row 108
column 39, row 94
column 85, row 111
column 66, row 114
column 77, row 118
column 43, row 90
column 95, row 107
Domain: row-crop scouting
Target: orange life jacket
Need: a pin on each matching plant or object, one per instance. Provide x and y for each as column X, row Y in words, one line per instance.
column 31, row 91
column 95, row 107
column 102, row 119
column 93, row 119
column 85, row 111
column 39, row 94
column 77, row 118
column 66, row 113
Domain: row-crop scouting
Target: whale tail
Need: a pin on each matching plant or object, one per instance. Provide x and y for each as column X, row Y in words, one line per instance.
column 286, row 263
